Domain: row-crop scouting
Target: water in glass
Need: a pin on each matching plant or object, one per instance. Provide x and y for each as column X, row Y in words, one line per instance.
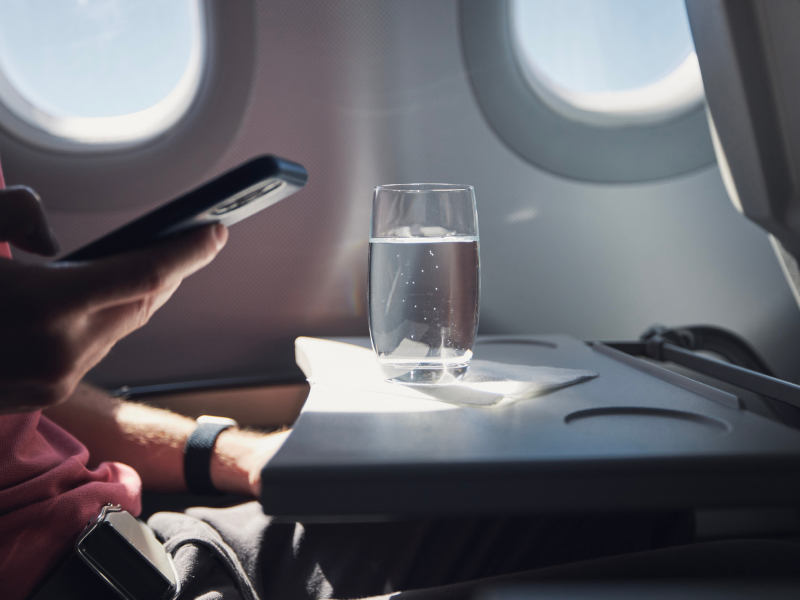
column 424, row 294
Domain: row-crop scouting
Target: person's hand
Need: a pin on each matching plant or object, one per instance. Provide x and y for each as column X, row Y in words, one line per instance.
column 58, row 321
column 263, row 452
column 23, row 222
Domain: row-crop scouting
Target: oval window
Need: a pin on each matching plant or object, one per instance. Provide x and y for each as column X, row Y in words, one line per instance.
column 98, row 72
column 608, row 62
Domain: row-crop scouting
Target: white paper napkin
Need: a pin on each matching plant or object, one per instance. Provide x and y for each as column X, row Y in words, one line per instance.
column 492, row 384
column 486, row 384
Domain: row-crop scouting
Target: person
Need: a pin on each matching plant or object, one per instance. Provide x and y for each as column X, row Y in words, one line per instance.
column 67, row 448
column 58, row 322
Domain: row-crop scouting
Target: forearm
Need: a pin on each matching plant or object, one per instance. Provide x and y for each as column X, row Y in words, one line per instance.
column 151, row 440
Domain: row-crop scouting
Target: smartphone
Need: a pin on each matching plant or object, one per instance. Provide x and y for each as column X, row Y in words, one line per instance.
column 228, row 199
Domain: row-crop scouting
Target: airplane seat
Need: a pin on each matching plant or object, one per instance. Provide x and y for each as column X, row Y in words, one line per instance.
column 748, row 55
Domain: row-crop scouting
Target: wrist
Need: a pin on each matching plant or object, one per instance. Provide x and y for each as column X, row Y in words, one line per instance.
column 198, row 452
column 230, row 462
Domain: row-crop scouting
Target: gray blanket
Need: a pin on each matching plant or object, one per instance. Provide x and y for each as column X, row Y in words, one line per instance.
column 239, row 553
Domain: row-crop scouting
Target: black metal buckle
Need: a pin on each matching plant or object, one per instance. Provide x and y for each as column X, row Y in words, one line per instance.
column 125, row 553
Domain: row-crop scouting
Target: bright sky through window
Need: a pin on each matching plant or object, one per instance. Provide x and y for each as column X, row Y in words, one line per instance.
column 89, row 61
column 603, row 56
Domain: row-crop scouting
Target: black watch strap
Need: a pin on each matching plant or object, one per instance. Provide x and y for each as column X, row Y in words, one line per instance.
column 197, row 454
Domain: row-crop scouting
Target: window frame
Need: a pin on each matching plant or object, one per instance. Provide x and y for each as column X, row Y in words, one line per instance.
column 677, row 93
column 556, row 142
column 144, row 175
column 39, row 128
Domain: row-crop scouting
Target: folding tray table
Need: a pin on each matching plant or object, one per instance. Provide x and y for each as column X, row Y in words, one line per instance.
column 636, row 438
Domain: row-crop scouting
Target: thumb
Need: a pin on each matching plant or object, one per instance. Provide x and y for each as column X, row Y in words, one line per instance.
column 122, row 278
column 23, row 221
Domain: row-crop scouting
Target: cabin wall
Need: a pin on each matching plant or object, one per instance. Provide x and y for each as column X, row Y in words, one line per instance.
column 365, row 93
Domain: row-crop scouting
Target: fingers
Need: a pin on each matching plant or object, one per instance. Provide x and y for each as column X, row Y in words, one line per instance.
column 106, row 327
column 115, row 322
column 127, row 277
column 64, row 319
column 23, row 221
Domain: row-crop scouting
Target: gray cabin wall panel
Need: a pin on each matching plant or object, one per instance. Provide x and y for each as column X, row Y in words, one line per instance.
column 365, row 93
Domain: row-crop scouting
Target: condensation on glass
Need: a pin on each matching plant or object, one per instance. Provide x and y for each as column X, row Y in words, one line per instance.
column 608, row 62
column 88, row 73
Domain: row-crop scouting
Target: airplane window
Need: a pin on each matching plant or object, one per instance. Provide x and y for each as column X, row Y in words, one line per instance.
column 594, row 90
column 613, row 62
column 98, row 72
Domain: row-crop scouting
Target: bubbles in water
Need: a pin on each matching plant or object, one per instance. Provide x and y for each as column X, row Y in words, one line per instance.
column 442, row 331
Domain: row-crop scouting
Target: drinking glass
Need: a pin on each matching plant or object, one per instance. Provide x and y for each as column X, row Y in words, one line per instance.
column 424, row 281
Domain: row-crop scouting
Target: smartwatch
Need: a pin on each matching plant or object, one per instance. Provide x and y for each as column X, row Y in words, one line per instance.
column 198, row 451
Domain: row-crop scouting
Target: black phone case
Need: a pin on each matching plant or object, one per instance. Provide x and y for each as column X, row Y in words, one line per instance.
column 231, row 197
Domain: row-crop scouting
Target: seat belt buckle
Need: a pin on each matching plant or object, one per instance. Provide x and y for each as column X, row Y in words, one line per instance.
column 125, row 553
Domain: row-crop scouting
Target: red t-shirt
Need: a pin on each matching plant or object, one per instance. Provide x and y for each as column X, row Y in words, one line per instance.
column 47, row 495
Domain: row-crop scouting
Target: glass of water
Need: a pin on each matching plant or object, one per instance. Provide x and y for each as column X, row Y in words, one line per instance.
column 424, row 281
